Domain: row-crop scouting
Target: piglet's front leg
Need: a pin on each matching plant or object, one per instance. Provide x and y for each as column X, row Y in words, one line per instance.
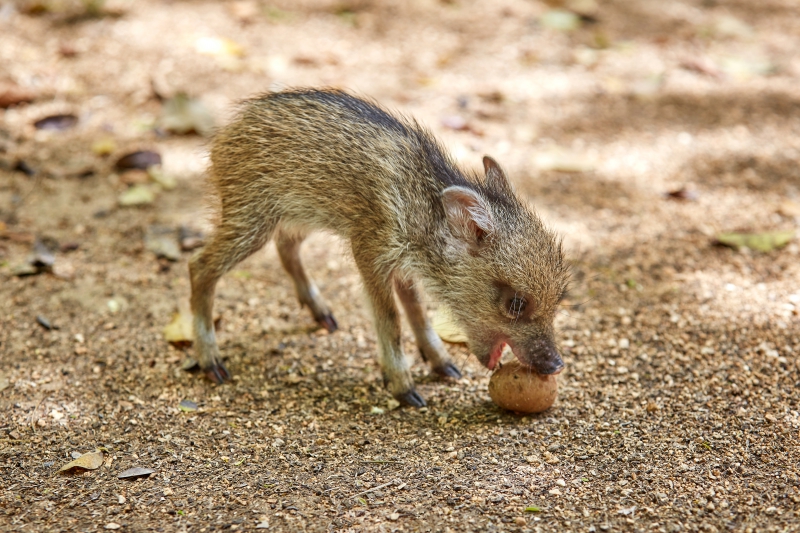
column 396, row 370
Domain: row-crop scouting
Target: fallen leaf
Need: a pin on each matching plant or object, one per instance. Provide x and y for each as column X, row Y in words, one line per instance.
column 788, row 208
column 24, row 269
column 563, row 161
column 244, row 10
column 586, row 8
column 134, row 177
column 137, row 195
column 142, row 160
column 103, row 147
column 87, row 461
column 760, row 242
column 559, row 19
column 157, row 174
column 42, row 321
column 702, row 66
column 25, row 168
column 745, row 68
column 43, row 256
column 187, row 406
column 682, row 194
column 190, row 238
column 12, row 94
column 455, row 122
column 41, row 259
column 183, row 115
column 729, row 26
column 532, row 509
column 69, row 247
column 218, row 47
column 179, row 331
column 163, row 242
column 56, row 122
column 133, row 473
column 445, row 325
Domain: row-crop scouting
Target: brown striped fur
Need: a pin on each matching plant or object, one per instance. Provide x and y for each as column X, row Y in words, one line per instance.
column 298, row 161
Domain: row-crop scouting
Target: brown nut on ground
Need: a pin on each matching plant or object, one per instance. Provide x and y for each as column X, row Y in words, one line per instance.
column 518, row 388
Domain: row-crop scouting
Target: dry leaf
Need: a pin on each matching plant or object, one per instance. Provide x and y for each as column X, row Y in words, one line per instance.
column 563, row 161
column 157, row 174
column 163, row 242
column 190, row 238
column 455, row 122
column 179, row 331
column 745, row 68
column 682, row 194
column 559, row 19
column 760, row 242
column 244, row 10
column 105, row 146
column 87, row 461
column 133, row 473
column 187, row 406
column 218, row 47
column 183, row 115
column 12, row 94
column 142, row 160
column 445, row 325
column 137, row 195
column 788, row 208
column 56, row 122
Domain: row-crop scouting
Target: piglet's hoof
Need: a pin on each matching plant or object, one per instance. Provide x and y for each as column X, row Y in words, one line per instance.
column 327, row 322
column 410, row 398
column 448, row 370
column 218, row 374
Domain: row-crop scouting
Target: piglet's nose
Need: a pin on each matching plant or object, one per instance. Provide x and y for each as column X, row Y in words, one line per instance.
column 544, row 358
column 553, row 366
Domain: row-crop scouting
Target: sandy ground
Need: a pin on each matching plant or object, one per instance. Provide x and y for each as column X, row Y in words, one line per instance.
column 678, row 410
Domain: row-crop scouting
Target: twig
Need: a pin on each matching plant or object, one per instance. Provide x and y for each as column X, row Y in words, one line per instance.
column 392, row 482
column 41, row 401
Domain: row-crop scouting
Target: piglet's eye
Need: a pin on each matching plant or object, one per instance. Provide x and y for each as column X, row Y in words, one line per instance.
column 516, row 306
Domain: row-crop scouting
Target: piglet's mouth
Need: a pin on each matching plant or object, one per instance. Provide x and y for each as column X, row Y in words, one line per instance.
column 497, row 353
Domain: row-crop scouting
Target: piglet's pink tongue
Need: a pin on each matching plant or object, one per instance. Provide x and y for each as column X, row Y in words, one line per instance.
column 494, row 358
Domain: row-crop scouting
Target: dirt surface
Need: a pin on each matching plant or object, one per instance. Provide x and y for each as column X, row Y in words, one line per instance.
column 678, row 410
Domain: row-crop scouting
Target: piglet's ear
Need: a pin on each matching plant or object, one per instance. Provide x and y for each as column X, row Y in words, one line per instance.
column 468, row 216
column 495, row 177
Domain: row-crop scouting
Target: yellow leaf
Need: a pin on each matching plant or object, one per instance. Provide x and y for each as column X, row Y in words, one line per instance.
column 761, row 242
column 179, row 331
column 218, row 47
column 137, row 195
column 87, row 461
column 104, row 146
column 445, row 325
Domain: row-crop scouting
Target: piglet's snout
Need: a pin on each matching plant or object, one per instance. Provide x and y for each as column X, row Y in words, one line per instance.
column 543, row 357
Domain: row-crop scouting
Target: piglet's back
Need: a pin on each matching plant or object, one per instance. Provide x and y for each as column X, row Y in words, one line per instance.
column 330, row 159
